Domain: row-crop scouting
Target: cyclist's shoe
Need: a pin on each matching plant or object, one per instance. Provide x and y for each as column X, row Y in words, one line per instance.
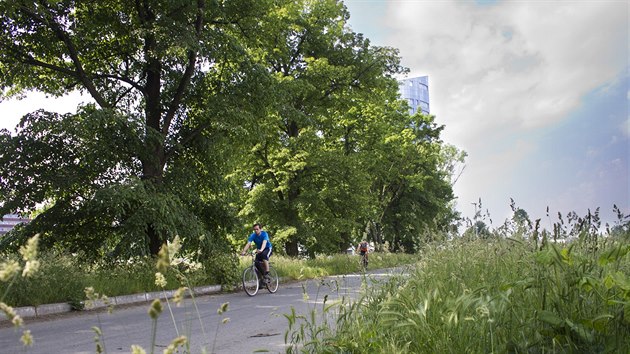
column 267, row 279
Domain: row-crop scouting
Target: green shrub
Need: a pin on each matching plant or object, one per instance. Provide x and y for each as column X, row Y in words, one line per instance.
column 58, row 279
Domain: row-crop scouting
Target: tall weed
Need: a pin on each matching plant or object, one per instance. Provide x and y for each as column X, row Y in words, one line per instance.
column 498, row 295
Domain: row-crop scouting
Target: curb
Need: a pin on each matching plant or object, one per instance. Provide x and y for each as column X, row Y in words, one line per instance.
column 51, row 309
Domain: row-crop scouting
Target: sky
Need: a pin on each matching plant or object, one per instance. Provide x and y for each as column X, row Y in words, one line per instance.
column 536, row 92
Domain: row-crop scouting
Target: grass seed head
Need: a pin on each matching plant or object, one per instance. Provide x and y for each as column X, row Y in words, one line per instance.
column 31, row 267
column 223, row 308
column 177, row 342
column 27, row 338
column 29, row 251
column 179, row 295
column 156, row 309
column 8, row 270
column 136, row 349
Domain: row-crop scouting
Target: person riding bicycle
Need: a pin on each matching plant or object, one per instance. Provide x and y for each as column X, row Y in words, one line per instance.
column 263, row 247
column 363, row 249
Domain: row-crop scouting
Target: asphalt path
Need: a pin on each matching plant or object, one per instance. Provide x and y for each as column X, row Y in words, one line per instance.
column 250, row 324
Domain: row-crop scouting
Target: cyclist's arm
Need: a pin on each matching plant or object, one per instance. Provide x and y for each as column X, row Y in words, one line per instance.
column 246, row 247
column 262, row 246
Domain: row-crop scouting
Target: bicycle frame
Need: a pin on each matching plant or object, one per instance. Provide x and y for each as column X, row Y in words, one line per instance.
column 253, row 278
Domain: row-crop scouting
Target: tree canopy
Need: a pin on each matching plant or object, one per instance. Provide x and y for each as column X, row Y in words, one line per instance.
column 207, row 116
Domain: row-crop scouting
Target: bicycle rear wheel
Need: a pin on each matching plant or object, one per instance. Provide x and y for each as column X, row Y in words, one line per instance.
column 272, row 285
column 250, row 281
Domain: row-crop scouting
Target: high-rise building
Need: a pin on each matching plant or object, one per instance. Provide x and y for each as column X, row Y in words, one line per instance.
column 9, row 221
column 416, row 91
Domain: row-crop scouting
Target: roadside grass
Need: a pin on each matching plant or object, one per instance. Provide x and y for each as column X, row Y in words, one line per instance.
column 487, row 296
column 298, row 269
column 61, row 278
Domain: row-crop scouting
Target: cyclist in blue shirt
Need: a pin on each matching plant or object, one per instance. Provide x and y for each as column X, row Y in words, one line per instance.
column 263, row 247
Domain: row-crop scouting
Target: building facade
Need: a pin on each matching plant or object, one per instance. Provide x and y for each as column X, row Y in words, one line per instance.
column 416, row 91
column 9, row 221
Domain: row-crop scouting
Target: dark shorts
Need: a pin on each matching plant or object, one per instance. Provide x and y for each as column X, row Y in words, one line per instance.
column 363, row 253
column 264, row 255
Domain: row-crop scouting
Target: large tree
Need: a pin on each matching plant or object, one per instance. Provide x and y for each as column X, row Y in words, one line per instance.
column 304, row 176
column 170, row 83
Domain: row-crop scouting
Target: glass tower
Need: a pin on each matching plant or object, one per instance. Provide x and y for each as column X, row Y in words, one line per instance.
column 416, row 91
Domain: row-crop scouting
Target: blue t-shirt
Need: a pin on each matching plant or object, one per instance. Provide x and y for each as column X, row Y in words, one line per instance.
column 258, row 239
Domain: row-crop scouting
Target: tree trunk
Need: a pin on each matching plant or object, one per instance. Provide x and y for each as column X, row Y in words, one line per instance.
column 155, row 240
column 291, row 248
column 344, row 241
column 375, row 232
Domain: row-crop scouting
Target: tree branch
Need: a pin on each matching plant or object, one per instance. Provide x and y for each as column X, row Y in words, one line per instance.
column 59, row 32
column 190, row 67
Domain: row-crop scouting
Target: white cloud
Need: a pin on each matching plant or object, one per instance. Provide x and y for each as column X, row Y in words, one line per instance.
column 512, row 71
column 513, row 65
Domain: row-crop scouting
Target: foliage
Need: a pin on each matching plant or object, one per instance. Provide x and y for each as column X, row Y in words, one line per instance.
column 336, row 137
column 57, row 278
column 206, row 116
column 165, row 78
column 12, row 270
column 496, row 295
column 138, row 275
column 320, row 266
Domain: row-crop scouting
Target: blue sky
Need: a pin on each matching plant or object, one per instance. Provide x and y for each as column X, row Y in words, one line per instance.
column 536, row 92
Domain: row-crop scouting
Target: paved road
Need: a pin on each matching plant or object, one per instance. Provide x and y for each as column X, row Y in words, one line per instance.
column 255, row 323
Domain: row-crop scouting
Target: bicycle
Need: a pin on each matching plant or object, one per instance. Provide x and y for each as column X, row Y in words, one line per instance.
column 364, row 261
column 253, row 278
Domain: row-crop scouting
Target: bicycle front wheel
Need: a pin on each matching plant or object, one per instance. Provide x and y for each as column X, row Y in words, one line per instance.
column 250, row 281
column 272, row 285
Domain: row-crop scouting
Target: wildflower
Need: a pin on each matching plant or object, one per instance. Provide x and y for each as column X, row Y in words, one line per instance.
column 136, row 349
column 194, row 266
column 8, row 269
column 156, row 309
column 31, row 267
column 177, row 342
column 27, row 338
column 174, row 247
column 160, row 280
column 29, row 252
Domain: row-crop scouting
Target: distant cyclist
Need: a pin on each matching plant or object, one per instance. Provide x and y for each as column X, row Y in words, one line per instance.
column 363, row 249
column 263, row 247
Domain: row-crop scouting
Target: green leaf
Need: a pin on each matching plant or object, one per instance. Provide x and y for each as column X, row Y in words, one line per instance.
column 550, row 318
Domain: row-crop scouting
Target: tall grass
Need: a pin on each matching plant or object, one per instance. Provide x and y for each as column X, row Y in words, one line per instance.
column 62, row 278
column 493, row 296
column 298, row 269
